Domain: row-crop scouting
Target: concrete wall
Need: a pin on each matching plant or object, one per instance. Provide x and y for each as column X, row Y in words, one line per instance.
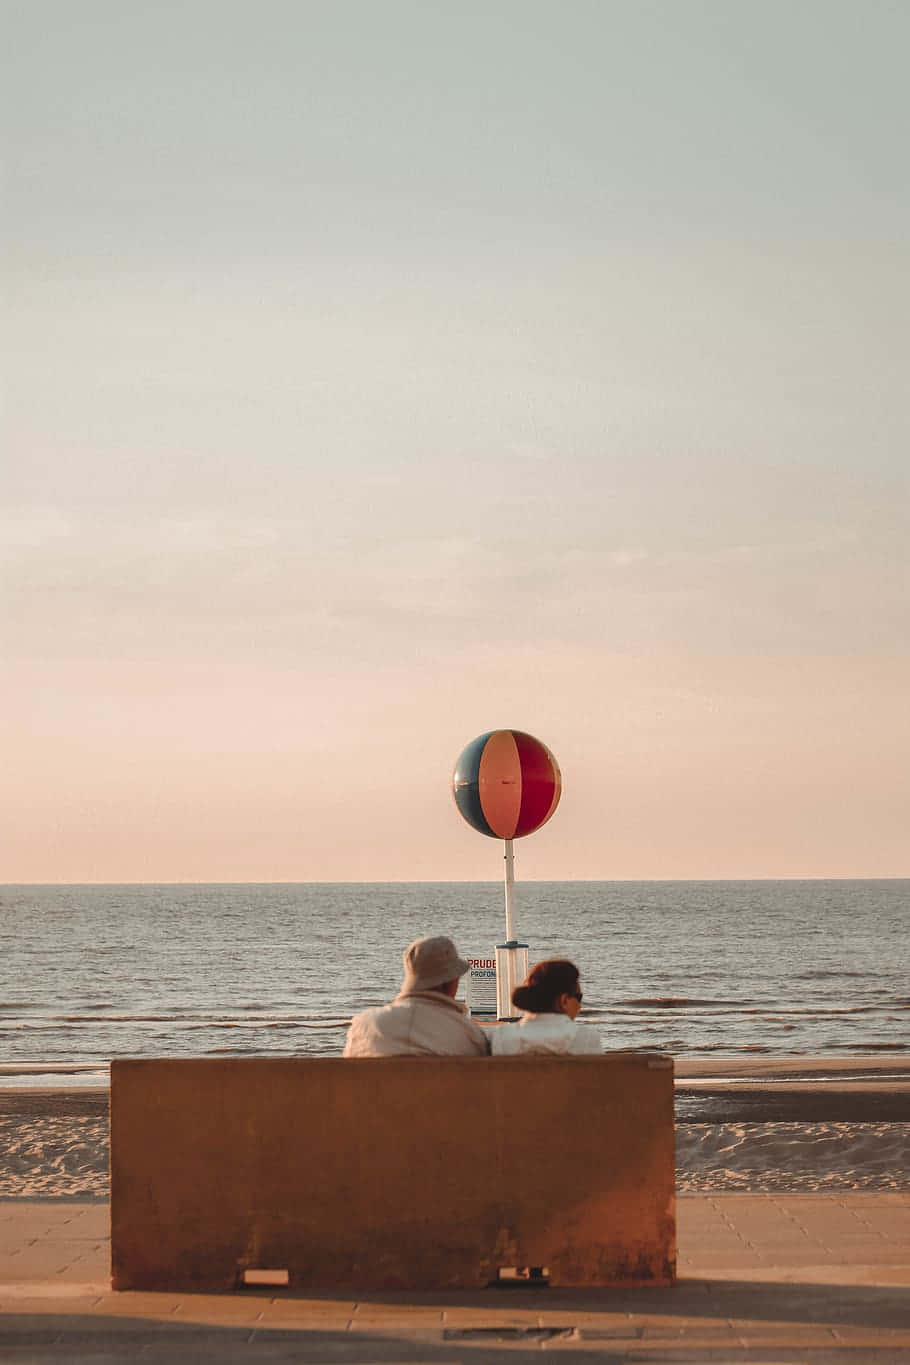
column 403, row 1172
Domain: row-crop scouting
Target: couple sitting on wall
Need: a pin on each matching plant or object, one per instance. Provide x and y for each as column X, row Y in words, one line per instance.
column 425, row 1018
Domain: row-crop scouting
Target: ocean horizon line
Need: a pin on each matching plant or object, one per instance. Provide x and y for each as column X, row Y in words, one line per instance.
column 484, row 881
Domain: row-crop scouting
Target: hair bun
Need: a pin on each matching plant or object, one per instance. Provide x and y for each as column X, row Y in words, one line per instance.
column 545, row 984
column 527, row 998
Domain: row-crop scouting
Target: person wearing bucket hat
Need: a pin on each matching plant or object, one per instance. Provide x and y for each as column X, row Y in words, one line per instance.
column 424, row 1019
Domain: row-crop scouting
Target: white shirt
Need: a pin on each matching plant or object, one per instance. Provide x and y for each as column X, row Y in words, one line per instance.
column 553, row 1033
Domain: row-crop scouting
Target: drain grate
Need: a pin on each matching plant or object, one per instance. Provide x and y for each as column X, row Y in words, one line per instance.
column 507, row 1333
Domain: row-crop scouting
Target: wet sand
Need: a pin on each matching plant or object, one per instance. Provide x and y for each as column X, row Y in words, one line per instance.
column 793, row 1090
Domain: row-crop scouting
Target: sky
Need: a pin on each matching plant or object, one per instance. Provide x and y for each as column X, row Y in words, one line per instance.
column 377, row 375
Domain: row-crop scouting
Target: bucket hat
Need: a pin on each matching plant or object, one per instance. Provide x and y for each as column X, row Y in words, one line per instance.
column 429, row 962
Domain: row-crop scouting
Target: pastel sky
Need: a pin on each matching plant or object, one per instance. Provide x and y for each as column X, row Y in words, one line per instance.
column 381, row 374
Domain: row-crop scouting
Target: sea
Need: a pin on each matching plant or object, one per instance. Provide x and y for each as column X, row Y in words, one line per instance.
column 788, row 968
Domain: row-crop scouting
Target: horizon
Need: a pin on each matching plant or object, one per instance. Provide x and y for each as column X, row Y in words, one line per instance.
column 539, row 881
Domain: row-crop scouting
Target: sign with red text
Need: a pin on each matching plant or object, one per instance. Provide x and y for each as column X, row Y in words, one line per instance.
column 480, row 986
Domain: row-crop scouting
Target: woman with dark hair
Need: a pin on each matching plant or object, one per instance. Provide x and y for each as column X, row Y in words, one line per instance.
column 550, row 1000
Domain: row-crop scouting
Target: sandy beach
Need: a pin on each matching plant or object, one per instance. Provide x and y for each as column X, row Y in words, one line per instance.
column 774, row 1126
column 792, row 1125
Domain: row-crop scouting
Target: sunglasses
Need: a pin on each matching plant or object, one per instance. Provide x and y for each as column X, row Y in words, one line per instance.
column 576, row 995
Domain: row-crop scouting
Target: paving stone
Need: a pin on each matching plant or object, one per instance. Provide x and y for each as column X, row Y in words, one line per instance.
column 365, row 1317
column 456, row 1317
column 146, row 1307
column 311, row 1310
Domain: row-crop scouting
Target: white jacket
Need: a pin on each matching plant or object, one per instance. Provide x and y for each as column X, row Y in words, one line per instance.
column 420, row 1023
column 553, row 1033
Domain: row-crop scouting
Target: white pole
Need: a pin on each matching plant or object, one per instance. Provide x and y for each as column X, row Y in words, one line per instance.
column 510, row 888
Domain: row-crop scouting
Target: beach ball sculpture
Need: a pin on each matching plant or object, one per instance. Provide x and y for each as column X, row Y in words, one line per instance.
column 507, row 784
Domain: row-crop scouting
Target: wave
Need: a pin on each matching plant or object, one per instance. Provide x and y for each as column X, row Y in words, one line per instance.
column 823, row 973
column 674, row 1002
column 58, row 1068
column 178, row 1017
column 746, row 1007
column 75, row 1024
column 234, row 1052
column 869, row 1047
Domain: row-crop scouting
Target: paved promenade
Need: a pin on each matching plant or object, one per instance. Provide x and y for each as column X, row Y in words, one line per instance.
column 771, row 1279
